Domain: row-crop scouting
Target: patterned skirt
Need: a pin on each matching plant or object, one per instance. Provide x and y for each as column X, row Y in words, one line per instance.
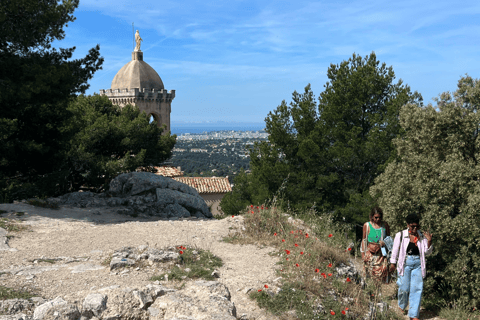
column 375, row 264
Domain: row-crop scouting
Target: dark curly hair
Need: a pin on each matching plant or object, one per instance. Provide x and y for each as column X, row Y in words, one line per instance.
column 376, row 210
column 412, row 218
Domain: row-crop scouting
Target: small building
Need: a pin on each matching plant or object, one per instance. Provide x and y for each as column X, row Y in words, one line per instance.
column 211, row 189
column 169, row 171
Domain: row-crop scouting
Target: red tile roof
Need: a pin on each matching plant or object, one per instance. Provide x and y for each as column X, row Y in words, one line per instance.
column 168, row 171
column 207, row 184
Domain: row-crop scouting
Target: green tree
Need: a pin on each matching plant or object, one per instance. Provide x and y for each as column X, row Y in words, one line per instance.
column 437, row 175
column 36, row 84
column 331, row 152
column 109, row 140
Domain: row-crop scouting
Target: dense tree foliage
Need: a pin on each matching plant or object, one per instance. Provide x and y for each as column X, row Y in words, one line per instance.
column 437, row 175
column 108, row 140
column 37, row 83
column 331, row 152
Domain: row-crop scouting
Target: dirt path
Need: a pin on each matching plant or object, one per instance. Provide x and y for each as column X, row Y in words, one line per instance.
column 66, row 233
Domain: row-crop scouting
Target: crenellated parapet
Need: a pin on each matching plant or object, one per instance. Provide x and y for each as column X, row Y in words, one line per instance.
column 161, row 95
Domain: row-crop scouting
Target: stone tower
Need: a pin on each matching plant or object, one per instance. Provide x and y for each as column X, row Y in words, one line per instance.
column 139, row 84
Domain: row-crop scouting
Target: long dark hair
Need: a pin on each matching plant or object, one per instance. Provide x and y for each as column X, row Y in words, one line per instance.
column 376, row 210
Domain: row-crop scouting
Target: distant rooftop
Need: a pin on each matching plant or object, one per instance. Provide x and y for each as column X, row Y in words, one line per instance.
column 207, row 184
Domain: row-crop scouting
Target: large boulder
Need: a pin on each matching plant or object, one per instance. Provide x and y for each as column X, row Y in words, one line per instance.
column 144, row 193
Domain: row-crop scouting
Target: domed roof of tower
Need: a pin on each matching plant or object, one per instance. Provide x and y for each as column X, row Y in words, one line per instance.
column 137, row 74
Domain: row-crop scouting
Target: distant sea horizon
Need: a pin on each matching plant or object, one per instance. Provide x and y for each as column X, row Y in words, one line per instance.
column 180, row 128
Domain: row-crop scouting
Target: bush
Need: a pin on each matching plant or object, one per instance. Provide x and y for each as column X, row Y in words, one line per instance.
column 437, row 176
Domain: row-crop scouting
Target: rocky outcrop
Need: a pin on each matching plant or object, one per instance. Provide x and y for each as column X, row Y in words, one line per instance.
column 143, row 193
column 196, row 300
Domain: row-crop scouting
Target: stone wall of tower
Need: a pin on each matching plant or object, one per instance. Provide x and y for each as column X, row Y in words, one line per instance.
column 153, row 102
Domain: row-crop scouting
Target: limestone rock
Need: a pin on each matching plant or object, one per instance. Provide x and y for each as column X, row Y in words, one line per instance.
column 144, row 193
column 197, row 300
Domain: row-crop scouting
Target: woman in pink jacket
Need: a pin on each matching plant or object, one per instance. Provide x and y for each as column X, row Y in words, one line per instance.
column 410, row 247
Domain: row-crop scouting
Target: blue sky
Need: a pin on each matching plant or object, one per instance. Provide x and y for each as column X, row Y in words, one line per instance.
column 237, row 60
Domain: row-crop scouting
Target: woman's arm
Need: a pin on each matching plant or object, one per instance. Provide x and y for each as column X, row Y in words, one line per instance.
column 387, row 229
column 396, row 247
column 364, row 236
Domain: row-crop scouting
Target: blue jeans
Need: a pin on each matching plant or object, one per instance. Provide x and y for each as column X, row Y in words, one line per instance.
column 410, row 286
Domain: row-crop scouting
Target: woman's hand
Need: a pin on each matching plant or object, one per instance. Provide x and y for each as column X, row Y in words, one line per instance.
column 381, row 243
column 428, row 235
column 392, row 268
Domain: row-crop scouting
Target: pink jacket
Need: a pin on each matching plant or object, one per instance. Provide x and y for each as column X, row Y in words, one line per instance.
column 400, row 245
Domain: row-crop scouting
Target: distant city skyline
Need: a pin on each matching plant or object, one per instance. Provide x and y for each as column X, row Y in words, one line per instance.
column 237, row 61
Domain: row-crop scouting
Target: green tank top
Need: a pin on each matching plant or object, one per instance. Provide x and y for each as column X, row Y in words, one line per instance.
column 375, row 234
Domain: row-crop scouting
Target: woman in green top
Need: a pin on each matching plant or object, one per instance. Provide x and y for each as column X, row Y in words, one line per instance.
column 374, row 231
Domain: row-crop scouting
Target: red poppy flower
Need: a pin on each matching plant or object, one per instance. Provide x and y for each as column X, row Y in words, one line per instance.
column 275, row 234
column 324, row 276
column 233, row 216
column 306, row 235
column 181, row 252
column 346, row 309
column 348, row 279
column 287, row 259
column 262, row 208
column 332, row 312
column 251, row 206
column 287, row 251
column 330, row 274
column 297, row 265
column 343, row 312
column 329, row 265
column 283, row 240
column 259, row 290
column 301, row 252
column 252, row 212
column 330, row 235
column 317, row 270
column 266, row 286
column 349, row 249
column 257, row 207
column 291, row 231
column 296, row 245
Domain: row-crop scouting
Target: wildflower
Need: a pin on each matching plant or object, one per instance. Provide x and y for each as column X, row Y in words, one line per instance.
column 283, row 240
column 324, row 275
column 330, row 235
column 252, row 212
column 306, row 235
column 343, row 312
column 297, row 265
column 296, row 245
column 287, row 259
column 332, row 312
column 181, row 252
column 317, row 270
column 329, row 265
column 346, row 309
column 348, row 279
column 266, row 286
column 291, row 231
column 301, row 252
column 251, row 206
column 233, row 216
column 330, row 274
column 257, row 207
column 287, row 251
column 275, row 234
column 349, row 249
column 259, row 290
